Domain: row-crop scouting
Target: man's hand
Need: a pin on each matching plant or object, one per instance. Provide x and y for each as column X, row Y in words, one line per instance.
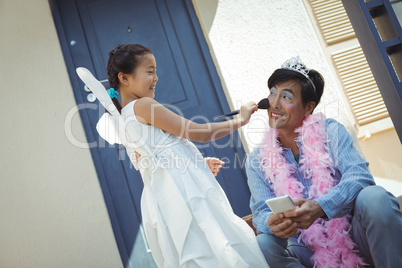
column 281, row 226
column 306, row 213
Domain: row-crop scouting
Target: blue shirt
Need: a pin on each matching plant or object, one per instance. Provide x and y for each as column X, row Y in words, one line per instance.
column 351, row 171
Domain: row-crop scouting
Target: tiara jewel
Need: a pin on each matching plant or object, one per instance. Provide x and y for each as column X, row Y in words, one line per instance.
column 295, row 64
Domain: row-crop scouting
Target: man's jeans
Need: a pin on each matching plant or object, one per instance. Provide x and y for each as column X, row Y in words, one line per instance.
column 376, row 229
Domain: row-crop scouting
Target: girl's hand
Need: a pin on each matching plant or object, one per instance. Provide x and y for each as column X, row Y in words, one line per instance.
column 246, row 111
column 214, row 164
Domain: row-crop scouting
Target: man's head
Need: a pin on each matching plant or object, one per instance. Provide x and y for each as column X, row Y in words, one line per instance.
column 308, row 91
column 295, row 91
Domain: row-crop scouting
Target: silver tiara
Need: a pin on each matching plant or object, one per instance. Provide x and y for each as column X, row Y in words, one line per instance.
column 295, row 64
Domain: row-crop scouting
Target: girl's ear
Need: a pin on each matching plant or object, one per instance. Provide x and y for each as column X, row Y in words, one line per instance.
column 309, row 108
column 123, row 78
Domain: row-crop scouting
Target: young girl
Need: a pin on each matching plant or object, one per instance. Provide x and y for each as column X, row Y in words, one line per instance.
column 187, row 218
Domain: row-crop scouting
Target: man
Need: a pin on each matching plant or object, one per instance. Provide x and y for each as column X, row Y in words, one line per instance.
column 342, row 218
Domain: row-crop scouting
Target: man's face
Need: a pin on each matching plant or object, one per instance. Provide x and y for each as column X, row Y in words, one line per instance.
column 286, row 110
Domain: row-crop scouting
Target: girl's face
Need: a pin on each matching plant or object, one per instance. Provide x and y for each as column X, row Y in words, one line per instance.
column 286, row 106
column 141, row 83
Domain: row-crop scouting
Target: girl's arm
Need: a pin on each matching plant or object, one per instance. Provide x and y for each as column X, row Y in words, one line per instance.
column 149, row 111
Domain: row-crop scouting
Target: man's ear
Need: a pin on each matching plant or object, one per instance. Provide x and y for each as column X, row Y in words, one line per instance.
column 310, row 106
column 123, row 78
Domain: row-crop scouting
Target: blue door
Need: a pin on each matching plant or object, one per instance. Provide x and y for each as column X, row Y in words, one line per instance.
column 88, row 30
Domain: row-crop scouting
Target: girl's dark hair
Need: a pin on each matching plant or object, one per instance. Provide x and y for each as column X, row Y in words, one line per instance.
column 307, row 92
column 123, row 58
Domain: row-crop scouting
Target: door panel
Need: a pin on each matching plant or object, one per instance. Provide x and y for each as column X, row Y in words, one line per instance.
column 142, row 25
column 88, row 30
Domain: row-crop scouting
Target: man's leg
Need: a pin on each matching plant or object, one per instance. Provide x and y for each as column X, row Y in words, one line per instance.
column 280, row 252
column 377, row 227
column 301, row 252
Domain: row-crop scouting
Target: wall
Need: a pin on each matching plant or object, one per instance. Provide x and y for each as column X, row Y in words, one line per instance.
column 51, row 205
column 384, row 152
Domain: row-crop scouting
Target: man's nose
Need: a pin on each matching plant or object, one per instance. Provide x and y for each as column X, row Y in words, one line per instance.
column 274, row 101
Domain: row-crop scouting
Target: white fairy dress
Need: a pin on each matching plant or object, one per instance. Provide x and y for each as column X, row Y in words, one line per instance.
column 187, row 218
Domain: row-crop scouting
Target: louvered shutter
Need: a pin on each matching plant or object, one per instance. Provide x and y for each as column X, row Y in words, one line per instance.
column 332, row 20
column 360, row 86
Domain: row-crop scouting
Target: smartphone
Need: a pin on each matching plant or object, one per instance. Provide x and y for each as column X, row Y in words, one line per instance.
column 280, row 204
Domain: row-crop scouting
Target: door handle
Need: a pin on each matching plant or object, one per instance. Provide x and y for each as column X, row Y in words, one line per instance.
column 91, row 97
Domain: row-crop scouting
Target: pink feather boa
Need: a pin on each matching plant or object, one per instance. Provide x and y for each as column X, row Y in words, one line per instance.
column 330, row 240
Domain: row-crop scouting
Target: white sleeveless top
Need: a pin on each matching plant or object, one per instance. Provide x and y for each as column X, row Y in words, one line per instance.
column 187, row 218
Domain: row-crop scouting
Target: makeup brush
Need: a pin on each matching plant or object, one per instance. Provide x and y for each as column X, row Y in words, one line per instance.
column 263, row 104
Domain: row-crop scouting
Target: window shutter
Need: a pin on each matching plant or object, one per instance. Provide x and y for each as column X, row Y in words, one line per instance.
column 332, row 20
column 360, row 86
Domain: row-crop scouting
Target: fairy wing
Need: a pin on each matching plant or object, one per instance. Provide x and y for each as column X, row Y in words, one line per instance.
column 110, row 125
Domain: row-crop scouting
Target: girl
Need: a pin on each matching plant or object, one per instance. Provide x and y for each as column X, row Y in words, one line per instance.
column 187, row 218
